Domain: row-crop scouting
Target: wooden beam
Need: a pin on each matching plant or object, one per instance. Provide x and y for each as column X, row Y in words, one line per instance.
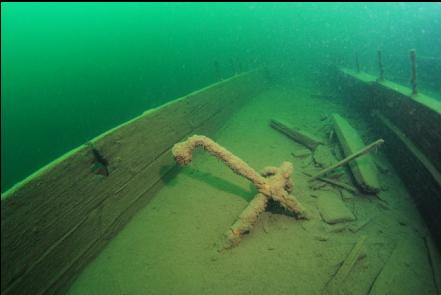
column 419, row 116
column 302, row 137
column 363, row 169
column 411, row 147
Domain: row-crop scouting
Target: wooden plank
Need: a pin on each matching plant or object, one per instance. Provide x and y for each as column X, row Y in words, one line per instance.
column 335, row 285
column 363, row 168
column 37, row 214
column 411, row 147
column 411, row 143
column 417, row 171
column 68, row 274
column 96, row 228
column 302, row 137
column 61, row 282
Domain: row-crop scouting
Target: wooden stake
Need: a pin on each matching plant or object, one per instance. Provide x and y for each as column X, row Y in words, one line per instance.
column 348, row 159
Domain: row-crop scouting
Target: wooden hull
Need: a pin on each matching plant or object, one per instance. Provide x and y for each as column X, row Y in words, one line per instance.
column 411, row 128
column 58, row 220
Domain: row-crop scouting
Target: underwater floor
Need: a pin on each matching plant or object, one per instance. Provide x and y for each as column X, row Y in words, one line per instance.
column 170, row 246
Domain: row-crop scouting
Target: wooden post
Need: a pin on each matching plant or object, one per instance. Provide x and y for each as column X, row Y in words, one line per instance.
column 413, row 73
column 380, row 67
column 357, row 64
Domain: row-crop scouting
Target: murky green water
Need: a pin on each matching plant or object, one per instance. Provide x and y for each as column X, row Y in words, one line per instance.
column 72, row 71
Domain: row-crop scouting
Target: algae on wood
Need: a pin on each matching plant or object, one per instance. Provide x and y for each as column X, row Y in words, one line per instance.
column 300, row 136
column 56, row 221
column 363, row 168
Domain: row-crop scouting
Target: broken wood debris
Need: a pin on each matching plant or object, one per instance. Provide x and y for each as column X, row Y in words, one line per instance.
column 332, row 209
column 362, row 168
column 334, row 286
column 348, row 159
column 346, row 186
column 323, row 157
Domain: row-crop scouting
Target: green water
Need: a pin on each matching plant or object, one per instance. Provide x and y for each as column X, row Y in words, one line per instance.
column 72, row 71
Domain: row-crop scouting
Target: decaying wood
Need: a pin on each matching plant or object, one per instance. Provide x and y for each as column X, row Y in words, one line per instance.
column 323, row 157
column 272, row 183
column 302, row 137
column 363, row 169
column 435, row 262
column 59, row 219
column 348, row 159
column 335, row 284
